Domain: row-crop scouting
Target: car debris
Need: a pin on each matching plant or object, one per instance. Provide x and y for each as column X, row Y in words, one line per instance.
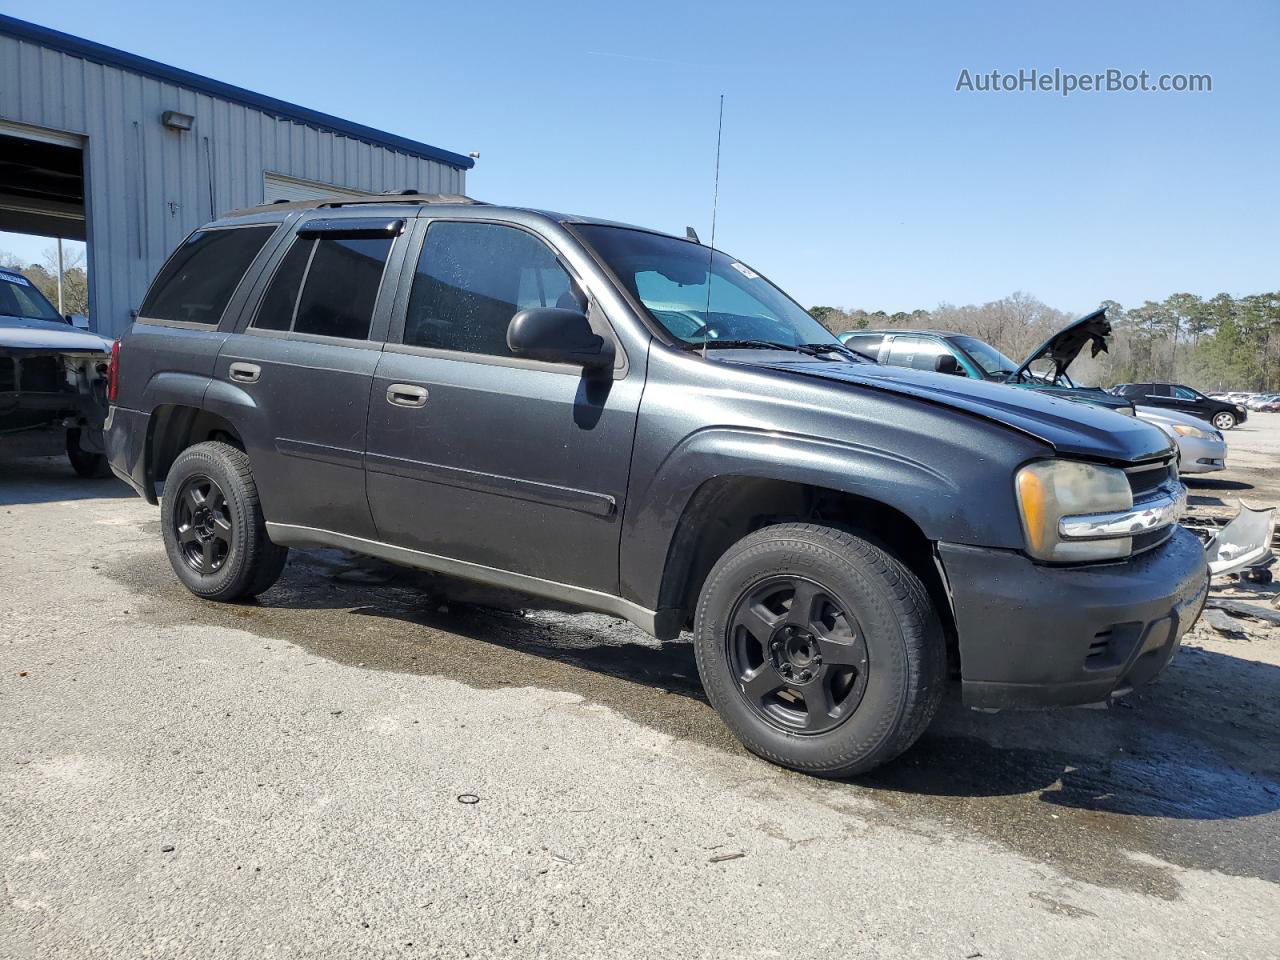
column 1244, row 544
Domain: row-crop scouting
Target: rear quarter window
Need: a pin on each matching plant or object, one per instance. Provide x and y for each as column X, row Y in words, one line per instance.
column 197, row 282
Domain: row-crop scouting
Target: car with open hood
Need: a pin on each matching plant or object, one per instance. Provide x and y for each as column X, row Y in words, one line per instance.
column 632, row 422
column 1044, row 369
column 52, row 380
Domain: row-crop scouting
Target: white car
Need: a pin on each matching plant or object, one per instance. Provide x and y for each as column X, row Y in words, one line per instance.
column 1201, row 447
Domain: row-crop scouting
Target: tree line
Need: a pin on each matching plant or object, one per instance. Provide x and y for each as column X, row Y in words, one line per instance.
column 44, row 277
column 1220, row 343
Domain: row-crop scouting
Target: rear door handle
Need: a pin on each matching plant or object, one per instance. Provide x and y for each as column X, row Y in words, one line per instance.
column 244, row 372
column 406, row 395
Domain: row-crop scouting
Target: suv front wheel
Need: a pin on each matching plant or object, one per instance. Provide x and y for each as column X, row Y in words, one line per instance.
column 1224, row 420
column 213, row 527
column 821, row 651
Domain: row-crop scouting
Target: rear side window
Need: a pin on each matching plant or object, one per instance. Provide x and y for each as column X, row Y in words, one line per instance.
column 472, row 278
column 326, row 286
column 199, row 279
column 868, row 343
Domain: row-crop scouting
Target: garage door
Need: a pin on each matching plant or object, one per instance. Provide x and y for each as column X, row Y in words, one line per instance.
column 276, row 186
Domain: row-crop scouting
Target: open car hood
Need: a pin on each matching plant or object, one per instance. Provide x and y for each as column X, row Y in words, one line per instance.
column 1065, row 345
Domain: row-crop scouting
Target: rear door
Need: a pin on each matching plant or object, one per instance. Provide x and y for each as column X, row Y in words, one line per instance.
column 477, row 455
column 299, row 369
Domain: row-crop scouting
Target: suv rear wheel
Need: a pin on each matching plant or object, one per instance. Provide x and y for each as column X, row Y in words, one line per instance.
column 213, row 528
column 1224, row 420
column 821, row 651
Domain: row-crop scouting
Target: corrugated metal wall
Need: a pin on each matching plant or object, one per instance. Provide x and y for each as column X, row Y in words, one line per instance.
column 148, row 186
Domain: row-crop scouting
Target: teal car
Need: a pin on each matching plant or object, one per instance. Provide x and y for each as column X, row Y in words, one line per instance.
column 1044, row 370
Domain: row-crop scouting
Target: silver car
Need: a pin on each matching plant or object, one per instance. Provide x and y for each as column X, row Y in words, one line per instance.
column 1201, row 447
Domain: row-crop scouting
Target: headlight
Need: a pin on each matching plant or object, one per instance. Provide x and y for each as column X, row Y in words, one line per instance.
column 1049, row 490
column 1186, row 430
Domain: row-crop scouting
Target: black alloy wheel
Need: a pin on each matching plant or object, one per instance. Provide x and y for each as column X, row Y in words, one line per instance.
column 799, row 657
column 202, row 525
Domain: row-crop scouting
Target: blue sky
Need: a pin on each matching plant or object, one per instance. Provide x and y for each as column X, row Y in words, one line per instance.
column 853, row 173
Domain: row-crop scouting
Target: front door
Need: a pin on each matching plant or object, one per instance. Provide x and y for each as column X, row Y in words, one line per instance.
column 306, row 361
column 480, row 456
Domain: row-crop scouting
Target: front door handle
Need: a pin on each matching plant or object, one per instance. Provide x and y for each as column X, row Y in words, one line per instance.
column 244, row 372
column 406, row 395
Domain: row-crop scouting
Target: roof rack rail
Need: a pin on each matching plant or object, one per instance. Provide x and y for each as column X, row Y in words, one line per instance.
column 394, row 196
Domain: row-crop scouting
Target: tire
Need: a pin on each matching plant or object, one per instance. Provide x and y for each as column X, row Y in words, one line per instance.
column 1224, row 420
column 213, row 527
column 91, row 466
column 882, row 667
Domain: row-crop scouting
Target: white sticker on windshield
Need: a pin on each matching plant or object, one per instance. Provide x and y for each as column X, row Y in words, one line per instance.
column 746, row 271
column 17, row 278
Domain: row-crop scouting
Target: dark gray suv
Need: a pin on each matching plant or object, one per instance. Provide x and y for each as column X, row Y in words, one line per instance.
column 634, row 423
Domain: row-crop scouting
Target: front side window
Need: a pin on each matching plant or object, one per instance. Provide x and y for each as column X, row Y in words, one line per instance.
column 472, row 278
column 902, row 351
column 1185, row 393
column 197, row 282
column 326, row 286
column 698, row 295
column 927, row 353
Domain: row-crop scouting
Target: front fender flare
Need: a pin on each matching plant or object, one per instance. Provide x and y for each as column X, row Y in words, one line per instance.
column 943, row 505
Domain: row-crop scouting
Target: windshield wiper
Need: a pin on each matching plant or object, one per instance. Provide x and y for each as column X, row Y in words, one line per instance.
column 808, row 349
column 855, row 355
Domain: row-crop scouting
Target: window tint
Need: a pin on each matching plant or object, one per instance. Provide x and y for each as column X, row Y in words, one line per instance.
column 472, row 278
column 276, row 311
column 903, row 350
column 1185, row 393
column 203, row 273
column 341, row 287
column 1158, row 389
column 868, row 343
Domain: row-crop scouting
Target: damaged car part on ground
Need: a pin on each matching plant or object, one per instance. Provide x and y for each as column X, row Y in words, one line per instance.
column 633, row 423
column 53, row 380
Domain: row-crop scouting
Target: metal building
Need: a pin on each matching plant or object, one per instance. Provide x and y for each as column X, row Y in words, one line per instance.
column 131, row 155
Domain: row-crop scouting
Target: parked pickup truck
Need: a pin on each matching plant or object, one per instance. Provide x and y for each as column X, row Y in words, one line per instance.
column 633, row 423
column 52, row 380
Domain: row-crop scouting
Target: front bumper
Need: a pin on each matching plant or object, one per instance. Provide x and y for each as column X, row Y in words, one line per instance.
column 1037, row 636
column 1197, row 455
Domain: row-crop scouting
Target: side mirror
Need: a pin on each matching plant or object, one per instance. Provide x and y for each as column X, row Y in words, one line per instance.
column 79, row 321
column 947, row 363
column 558, row 336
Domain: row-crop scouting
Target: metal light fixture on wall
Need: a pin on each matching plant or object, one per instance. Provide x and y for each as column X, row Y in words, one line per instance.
column 177, row 121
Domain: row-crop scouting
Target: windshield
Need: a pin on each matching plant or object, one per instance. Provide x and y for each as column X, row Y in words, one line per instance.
column 18, row 298
column 670, row 277
column 992, row 361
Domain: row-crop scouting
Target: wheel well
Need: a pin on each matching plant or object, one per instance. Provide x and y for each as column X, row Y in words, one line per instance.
column 175, row 427
column 725, row 509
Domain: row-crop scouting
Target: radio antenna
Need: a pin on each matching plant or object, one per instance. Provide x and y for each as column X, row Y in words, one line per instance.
column 711, row 249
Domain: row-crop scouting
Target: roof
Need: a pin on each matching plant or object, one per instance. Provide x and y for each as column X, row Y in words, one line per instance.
column 110, row 56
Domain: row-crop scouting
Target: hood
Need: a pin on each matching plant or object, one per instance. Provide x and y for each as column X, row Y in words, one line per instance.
column 27, row 335
column 1071, row 428
column 1065, row 345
